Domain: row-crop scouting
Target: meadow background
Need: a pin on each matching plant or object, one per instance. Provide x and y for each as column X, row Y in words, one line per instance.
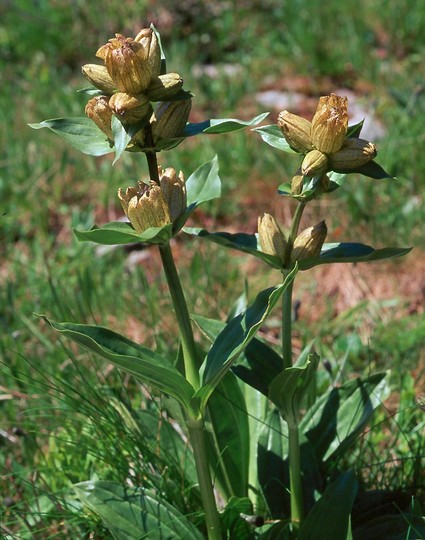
column 65, row 415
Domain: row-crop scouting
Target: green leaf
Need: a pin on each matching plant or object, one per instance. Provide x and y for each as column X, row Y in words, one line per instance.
column 337, row 418
column 247, row 243
column 229, row 437
column 234, row 521
column 119, row 232
column 204, row 184
column 236, row 336
column 164, row 441
column 146, row 365
column 273, row 472
column 257, row 366
column 82, row 133
column 121, row 138
column 135, row 513
column 287, row 389
column 330, row 517
column 355, row 130
column 345, row 252
column 273, row 136
column 371, row 169
column 221, row 125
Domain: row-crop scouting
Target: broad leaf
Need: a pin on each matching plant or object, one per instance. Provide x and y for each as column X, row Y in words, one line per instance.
column 121, row 137
column 204, row 184
column 330, row 517
column 257, row 366
column 236, row 336
column 273, row 136
column 146, row 365
column 288, row 389
column 273, row 471
column 134, row 513
column 82, row 133
column 337, row 418
column 346, row 252
column 229, row 437
column 371, row 169
column 247, row 243
column 166, row 442
column 235, row 519
column 119, row 232
column 221, row 125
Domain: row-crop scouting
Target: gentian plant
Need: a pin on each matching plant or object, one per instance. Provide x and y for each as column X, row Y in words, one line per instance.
column 283, row 464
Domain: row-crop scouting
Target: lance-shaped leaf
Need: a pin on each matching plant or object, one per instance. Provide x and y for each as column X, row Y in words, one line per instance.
column 247, row 243
column 288, row 389
column 229, row 437
column 337, row 418
column 146, row 365
column 273, row 136
column 82, row 133
column 345, row 252
column 330, row 516
column 135, row 513
column 202, row 185
column 236, row 336
column 119, row 232
column 221, row 125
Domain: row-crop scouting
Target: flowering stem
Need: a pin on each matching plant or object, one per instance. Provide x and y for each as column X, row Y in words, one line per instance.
column 294, row 454
column 198, row 439
column 295, row 484
column 182, row 316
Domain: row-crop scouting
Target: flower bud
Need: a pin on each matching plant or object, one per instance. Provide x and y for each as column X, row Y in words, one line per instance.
column 99, row 77
column 296, row 130
column 329, row 124
column 170, row 119
column 130, row 109
column 174, row 190
column 99, row 111
column 149, row 41
column 309, row 242
column 354, row 153
column 132, row 63
column 145, row 206
column 314, row 164
column 297, row 183
column 164, row 87
column 272, row 240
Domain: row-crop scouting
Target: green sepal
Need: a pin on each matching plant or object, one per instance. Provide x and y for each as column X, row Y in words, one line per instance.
column 355, row 130
column 236, row 336
column 287, row 390
column 145, row 365
column 121, row 232
column 308, row 191
column 81, row 133
column 133, row 513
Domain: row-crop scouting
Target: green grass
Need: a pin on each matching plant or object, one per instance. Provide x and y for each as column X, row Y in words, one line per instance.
column 75, row 420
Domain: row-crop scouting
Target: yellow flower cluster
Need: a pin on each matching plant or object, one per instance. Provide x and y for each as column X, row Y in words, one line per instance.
column 130, row 80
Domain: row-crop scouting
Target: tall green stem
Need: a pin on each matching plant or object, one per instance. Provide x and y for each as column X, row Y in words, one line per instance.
column 294, row 453
column 182, row 316
column 294, row 458
column 195, row 425
column 198, row 439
